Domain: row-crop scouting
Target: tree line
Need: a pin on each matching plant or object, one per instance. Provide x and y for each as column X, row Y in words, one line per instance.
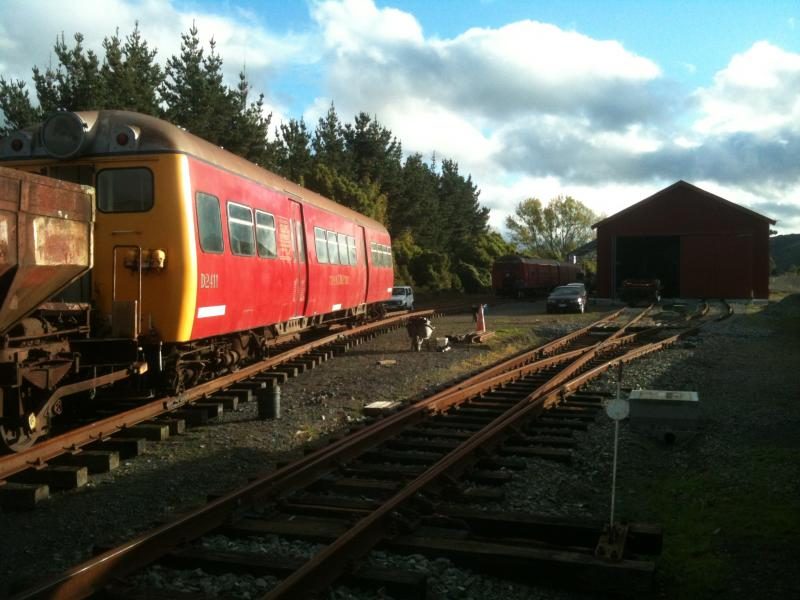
column 440, row 233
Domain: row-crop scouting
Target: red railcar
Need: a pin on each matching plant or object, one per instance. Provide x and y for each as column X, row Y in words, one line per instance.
column 518, row 276
column 202, row 260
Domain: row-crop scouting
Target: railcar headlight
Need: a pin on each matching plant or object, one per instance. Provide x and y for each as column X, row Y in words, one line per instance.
column 64, row 134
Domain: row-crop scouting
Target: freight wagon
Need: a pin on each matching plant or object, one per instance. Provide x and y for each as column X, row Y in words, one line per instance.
column 518, row 276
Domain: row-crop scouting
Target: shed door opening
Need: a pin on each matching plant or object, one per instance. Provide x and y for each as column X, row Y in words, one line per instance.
column 651, row 257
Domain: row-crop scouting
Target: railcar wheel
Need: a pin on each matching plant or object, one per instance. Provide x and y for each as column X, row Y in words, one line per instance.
column 16, row 439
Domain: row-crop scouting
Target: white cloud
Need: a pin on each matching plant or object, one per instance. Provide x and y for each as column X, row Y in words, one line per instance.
column 528, row 109
column 604, row 200
column 545, row 54
column 482, row 97
column 489, row 74
column 758, row 92
column 358, row 26
column 436, row 129
column 241, row 43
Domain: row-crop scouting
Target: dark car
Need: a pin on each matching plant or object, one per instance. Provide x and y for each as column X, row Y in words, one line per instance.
column 566, row 298
column 637, row 292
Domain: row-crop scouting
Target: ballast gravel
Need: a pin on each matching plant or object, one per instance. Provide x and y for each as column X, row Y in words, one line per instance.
column 177, row 475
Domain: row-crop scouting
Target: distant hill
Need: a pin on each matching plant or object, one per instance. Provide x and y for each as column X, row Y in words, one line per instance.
column 785, row 251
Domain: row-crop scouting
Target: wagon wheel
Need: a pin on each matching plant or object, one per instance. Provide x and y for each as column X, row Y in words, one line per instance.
column 16, row 438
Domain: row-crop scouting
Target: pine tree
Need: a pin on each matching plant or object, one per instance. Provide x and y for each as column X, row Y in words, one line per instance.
column 294, row 154
column 249, row 136
column 194, row 92
column 130, row 74
column 363, row 197
column 15, row 102
column 328, row 143
column 374, row 152
column 416, row 206
column 76, row 83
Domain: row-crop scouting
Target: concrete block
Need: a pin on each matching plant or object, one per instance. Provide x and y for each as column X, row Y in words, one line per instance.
column 155, row 432
column 242, row 393
column 664, row 412
column 22, row 496
column 213, row 408
column 62, row 477
column 191, row 415
column 97, row 461
column 176, row 426
column 127, row 447
column 253, row 384
column 228, row 401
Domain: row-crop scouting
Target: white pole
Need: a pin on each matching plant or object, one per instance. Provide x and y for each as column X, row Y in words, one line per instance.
column 616, row 443
column 614, row 472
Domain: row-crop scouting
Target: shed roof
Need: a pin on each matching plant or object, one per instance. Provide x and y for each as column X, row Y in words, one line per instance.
column 686, row 185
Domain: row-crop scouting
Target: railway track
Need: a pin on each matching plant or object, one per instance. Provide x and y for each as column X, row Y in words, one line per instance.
column 88, row 446
column 436, row 438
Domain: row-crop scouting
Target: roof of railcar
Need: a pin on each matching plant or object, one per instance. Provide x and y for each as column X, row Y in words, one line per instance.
column 156, row 135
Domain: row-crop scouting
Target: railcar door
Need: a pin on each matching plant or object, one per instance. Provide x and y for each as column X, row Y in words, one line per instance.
column 362, row 243
column 299, row 263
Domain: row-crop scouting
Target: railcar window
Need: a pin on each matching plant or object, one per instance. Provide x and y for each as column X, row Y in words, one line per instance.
column 343, row 255
column 83, row 174
column 240, row 229
column 333, row 248
column 381, row 255
column 351, row 249
column 209, row 223
column 124, row 190
column 321, row 243
column 301, row 241
column 265, row 235
column 377, row 254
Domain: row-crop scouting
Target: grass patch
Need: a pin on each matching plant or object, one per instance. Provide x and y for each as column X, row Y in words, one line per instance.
column 754, row 503
column 506, row 342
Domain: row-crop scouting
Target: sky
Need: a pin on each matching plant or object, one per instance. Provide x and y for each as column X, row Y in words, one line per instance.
column 608, row 101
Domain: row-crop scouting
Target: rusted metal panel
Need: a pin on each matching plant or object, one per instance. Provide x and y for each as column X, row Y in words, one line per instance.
column 46, row 230
column 724, row 247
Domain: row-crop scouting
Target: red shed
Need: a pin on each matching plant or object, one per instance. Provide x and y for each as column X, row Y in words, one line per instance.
column 698, row 244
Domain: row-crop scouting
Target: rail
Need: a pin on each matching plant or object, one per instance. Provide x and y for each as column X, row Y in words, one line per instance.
column 92, row 575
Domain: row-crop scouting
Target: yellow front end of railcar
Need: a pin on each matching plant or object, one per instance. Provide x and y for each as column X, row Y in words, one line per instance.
column 144, row 280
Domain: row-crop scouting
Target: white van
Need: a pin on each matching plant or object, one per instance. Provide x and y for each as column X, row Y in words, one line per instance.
column 402, row 298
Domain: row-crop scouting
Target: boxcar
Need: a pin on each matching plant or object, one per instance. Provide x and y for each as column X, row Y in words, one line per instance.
column 518, row 276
